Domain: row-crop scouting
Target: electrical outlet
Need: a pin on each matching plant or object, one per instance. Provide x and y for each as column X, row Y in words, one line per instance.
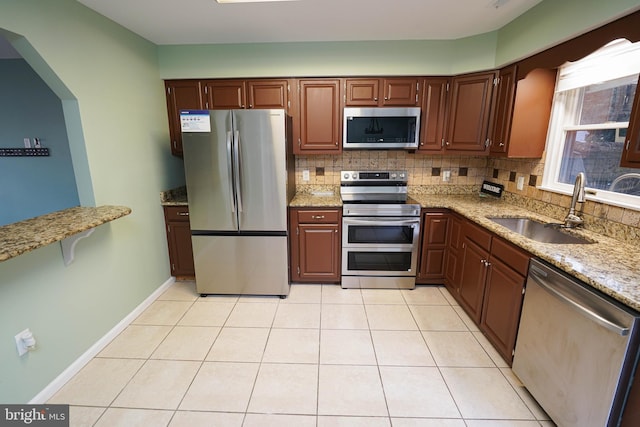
column 446, row 176
column 27, row 142
column 305, row 175
column 520, row 183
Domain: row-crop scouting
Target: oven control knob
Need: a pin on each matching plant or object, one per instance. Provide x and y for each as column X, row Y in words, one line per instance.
column 402, row 175
column 346, row 176
column 393, row 176
column 354, row 175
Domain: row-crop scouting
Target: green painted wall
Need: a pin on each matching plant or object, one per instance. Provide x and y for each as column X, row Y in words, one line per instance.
column 113, row 97
column 553, row 21
column 546, row 24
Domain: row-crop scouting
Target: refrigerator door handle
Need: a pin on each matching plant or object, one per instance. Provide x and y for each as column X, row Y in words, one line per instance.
column 236, row 169
column 230, row 169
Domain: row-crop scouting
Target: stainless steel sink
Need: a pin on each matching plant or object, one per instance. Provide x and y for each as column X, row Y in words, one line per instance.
column 538, row 231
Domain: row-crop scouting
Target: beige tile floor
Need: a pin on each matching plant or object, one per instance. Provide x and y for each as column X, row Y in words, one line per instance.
column 323, row 357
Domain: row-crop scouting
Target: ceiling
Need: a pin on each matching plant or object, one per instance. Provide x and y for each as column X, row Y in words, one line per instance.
column 205, row 21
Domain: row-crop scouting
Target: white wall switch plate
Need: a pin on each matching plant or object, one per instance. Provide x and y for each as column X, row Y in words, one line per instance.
column 305, row 175
column 520, row 183
column 446, row 176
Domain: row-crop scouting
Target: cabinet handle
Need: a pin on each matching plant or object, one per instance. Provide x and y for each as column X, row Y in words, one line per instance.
column 336, row 143
column 317, row 216
column 501, row 144
column 183, row 213
column 250, row 105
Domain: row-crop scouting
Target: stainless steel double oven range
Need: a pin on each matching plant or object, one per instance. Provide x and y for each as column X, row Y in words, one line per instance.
column 380, row 230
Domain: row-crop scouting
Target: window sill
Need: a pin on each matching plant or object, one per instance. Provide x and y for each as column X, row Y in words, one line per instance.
column 594, row 198
column 66, row 226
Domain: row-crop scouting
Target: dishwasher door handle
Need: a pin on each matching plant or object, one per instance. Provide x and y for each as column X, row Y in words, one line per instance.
column 540, row 278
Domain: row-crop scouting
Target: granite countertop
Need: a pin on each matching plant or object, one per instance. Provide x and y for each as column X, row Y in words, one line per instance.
column 25, row 236
column 611, row 266
column 174, row 197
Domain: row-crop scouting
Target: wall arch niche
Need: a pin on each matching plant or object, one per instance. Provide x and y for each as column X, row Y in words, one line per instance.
column 37, row 104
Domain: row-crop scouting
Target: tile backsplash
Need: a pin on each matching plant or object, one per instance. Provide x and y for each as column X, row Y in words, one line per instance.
column 428, row 170
column 423, row 169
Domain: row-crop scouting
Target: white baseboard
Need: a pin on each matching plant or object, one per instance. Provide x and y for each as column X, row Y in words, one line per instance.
column 96, row 348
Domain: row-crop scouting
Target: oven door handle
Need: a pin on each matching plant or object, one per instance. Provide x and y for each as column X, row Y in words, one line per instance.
column 350, row 221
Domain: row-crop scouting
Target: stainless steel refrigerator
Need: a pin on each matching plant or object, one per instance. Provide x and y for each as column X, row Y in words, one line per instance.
column 239, row 175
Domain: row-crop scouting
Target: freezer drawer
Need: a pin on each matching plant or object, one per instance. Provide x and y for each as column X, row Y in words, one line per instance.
column 246, row 265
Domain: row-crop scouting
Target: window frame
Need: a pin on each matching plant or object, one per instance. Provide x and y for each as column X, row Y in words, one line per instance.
column 565, row 104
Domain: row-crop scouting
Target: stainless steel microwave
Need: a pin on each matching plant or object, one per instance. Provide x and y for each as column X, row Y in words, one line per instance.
column 382, row 128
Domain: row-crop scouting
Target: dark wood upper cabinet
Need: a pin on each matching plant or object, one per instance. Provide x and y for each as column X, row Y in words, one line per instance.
column 268, row 94
column 400, row 92
column 389, row 92
column 434, row 109
column 522, row 113
column 320, row 117
column 181, row 95
column 470, row 113
column 224, row 94
column 362, row 92
column 631, row 153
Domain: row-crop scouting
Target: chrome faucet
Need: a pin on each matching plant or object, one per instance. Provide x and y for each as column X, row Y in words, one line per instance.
column 572, row 219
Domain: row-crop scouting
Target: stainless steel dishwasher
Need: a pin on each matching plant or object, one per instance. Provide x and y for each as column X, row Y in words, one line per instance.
column 576, row 349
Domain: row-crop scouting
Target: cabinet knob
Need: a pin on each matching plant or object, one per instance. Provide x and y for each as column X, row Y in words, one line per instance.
column 250, row 105
column 501, row 144
column 336, row 143
column 376, row 98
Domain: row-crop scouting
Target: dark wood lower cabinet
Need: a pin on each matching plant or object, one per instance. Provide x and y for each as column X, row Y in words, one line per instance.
column 179, row 241
column 315, row 245
column 433, row 249
column 487, row 275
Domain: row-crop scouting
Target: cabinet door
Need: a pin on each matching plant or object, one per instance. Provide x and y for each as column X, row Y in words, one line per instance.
column 506, row 92
column 224, row 94
column 400, row 92
column 181, row 95
column 319, row 258
column 179, row 240
column 434, row 244
column 362, row 92
column 453, row 255
column 268, row 94
column 181, row 253
column 501, row 307
column 631, row 153
column 319, row 107
column 434, row 106
column 526, row 124
column 469, row 114
column 473, row 276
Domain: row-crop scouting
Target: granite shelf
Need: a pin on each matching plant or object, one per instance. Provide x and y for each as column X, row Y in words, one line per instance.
column 66, row 226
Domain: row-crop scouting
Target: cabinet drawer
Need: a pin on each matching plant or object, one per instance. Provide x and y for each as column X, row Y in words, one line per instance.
column 478, row 235
column 511, row 255
column 319, row 216
column 176, row 213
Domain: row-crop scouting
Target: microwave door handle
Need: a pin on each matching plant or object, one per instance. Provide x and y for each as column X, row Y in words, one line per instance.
column 230, row 168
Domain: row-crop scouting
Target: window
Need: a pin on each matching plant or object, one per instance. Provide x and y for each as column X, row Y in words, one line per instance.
column 589, row 120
